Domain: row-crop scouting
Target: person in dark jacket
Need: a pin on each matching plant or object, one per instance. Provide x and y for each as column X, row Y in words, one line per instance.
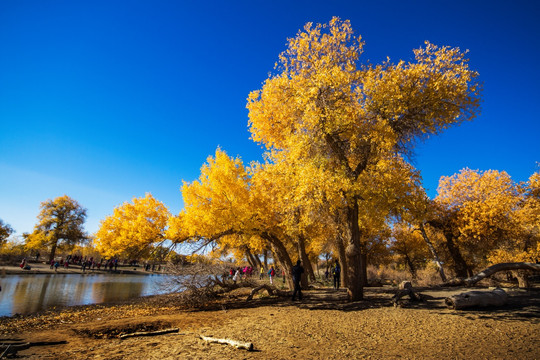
column 297, row 272
column 336, row 271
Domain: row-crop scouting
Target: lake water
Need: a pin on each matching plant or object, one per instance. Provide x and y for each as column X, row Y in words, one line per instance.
column 25, row 294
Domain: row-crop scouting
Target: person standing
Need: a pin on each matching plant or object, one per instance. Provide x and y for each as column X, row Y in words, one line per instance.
column 271, row 274
column 236, row 276
column 336, row 271
column 297, row 272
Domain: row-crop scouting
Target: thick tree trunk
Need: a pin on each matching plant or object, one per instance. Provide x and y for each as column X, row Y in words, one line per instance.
column 433, row 252
column 265, row 258
column 249, row 258
column 412, row 268
column 496, row 297
column 271, row 290
column 355, row 288
column 283, row 257
column 342, row 262
column 53, row 251
column 460, row 266
column 305, row 260
column 492, row 270
column 255, row 261
column 363, row 264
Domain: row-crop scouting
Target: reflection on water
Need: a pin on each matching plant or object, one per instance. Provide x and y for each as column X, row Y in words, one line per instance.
column 24, row 294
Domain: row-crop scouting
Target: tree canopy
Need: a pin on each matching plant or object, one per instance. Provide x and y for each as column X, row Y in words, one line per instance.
column 134, row 229
column 5, row 232
column 60, row 225
column 325, row 109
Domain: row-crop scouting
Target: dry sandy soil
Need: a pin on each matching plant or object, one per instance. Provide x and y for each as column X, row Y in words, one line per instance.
column 323, row 326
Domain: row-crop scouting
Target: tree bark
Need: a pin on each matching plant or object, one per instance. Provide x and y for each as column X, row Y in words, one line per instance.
column 492, row 270
column 412, row 268
column 258, row 263
column 272, row 290
column 522, row 277
column 342, row 258
column 282, row 256
column 265, row 258
column 53, row 250
column 249, row 258
column 355, row 287
column 433, row 252
column 363, row 264
column 305, row 260
column 460, row 266
column 497, row 297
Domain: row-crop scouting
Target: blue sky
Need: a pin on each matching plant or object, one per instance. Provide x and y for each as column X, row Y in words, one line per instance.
column 106, row 100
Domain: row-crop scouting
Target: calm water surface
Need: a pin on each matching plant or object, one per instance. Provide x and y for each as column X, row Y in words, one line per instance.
column 25, row 294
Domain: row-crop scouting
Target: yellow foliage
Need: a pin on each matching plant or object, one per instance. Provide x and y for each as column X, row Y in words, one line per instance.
column 60, row 225
column 133, row 228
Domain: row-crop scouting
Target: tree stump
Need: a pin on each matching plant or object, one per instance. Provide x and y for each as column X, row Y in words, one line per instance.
column 497, row 297
column 406, row 289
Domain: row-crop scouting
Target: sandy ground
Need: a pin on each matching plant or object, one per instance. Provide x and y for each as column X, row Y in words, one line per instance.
column 323, row 326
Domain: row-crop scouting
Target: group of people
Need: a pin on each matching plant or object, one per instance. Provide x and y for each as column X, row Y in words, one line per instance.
column 240, row 273
column 296, row 272
column 85, row 263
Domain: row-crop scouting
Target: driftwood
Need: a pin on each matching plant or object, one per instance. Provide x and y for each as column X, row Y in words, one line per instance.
column 270, row 289
column 12, row 347
column 149, row 333
column 237, row 344
column 497, row 297
column 492, row 270
column 406, row 289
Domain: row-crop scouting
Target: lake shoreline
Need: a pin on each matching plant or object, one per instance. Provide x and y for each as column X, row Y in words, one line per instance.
column 43, row 268
column 324, row 325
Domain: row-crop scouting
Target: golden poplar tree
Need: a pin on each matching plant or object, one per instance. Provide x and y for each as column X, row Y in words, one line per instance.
column 60, row 225
column 475, row 215
column 323, row 109
column 134, row 229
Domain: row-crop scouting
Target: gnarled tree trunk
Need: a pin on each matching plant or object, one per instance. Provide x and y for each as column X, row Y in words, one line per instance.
column 460, row 266
column 342, row 262
column 355, row 287
column 282, row 256
column 433, row 252
column 492, row 270
column 302, row 255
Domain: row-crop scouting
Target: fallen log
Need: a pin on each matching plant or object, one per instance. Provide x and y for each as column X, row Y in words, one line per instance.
column 492, row 270
column 270, row 289
column 149, row 333
column 237, row 344
column 497, row 297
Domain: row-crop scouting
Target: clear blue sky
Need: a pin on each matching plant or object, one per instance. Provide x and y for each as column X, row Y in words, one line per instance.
column 106, row 100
